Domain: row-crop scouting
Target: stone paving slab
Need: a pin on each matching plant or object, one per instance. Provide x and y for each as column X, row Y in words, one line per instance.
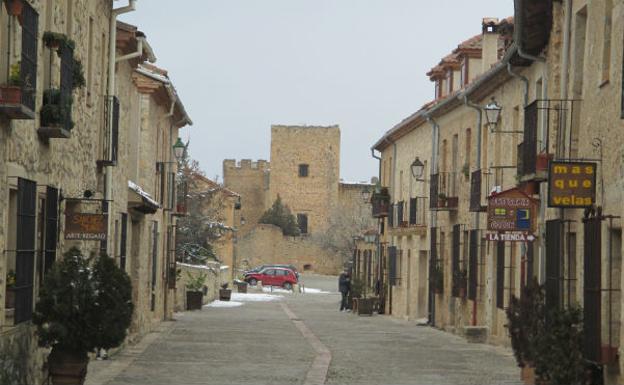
column 259, row 343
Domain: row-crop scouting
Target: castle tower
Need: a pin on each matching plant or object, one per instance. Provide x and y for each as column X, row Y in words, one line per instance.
column 251, row 181
column 305, row 171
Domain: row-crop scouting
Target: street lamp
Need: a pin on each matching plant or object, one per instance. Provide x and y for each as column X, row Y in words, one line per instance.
column 366, row 195
column 417, row 168
column 178, row 149
column 492, row 113
column 242, row 221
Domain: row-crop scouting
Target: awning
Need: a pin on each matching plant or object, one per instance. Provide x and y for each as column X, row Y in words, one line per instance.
column 140, row 200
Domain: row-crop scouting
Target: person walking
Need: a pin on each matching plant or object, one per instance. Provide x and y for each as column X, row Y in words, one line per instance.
column 344, row 286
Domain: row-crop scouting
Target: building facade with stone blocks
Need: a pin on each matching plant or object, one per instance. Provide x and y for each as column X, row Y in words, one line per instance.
column 558, row 77
column 85, row 162
column 304, row 171
column 221, row 206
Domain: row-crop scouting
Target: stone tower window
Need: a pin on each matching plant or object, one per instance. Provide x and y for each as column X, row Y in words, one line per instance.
column 302, row 220
column 303, row 170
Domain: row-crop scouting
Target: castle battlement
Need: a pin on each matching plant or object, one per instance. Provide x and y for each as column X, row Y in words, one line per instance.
column 245, row 164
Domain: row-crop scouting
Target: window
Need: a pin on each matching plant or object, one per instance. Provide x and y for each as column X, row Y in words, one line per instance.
column 302, row 220
column 606, row 41
column 468, row 148
column 154, row 262
column 124, row 241
column 19, row 60
column 303, row 170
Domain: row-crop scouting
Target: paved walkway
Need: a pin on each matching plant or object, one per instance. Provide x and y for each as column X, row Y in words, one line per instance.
column 301, row 339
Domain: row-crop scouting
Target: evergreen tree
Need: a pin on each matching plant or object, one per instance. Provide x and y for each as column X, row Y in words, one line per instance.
column 280, row 216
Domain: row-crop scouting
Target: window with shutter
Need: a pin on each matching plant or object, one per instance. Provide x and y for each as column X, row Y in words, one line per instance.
column 413, row 206
column 473, row 264
column 592, row 254
column 28, row 63
column 455, row 259
column 500, row 275
column 51, row 227
column 554, row 259
column 25, row 249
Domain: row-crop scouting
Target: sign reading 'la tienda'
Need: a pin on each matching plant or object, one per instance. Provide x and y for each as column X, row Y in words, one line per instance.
column 571, row 184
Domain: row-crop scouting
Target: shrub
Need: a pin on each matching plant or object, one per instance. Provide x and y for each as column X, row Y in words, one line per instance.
column 280, row 216
column 84, row 304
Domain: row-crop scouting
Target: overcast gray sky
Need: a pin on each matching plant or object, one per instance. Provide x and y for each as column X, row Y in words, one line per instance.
column 242, row 65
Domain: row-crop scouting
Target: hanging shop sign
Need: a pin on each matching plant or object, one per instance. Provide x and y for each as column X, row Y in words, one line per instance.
column 511, row 210
column 571, row 184
column 514, row 236
column 83, row 226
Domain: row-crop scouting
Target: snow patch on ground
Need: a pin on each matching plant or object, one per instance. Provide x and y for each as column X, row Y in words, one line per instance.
column 255, row 297
column 224, row 304
column 275, row 290
column 310, row 290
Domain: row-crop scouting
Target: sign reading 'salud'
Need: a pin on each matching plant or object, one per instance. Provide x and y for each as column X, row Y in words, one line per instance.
column 571, row 184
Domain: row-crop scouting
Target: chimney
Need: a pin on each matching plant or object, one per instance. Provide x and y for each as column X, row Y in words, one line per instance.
column 489, row 53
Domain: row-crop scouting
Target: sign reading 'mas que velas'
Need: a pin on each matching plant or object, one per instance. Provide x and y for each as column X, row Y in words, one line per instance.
column 571, row 184
column 511, row 210
column 83, row 226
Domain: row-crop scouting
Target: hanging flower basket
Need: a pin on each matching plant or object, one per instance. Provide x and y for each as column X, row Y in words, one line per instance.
column 14, row 7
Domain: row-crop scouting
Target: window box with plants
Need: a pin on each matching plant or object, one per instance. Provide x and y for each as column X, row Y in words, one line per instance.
column 195, row 287
column 11, row 96
column 85, row 303
column 442, row 200
column 362, row 304
column 9, row 297
column 56, row 111
column 224, row 293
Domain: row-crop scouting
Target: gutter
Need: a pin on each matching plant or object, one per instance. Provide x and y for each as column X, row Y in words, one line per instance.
column 112, row 53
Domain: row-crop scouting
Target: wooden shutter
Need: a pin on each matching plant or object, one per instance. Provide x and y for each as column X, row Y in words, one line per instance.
column 392, row 261
column 473, row 265
column 554, row 258
column 51, row 227
column 123, row 247
column 25, row 251
column 592, row 252
column 500, row 275
column 28, row 65
column 455, row 249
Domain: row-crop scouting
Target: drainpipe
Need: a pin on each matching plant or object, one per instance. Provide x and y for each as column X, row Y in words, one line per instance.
column 137, row 53
column 108, row 194
column 476, row 223
column 435, row 138
column 522, row 79
column 377, row 238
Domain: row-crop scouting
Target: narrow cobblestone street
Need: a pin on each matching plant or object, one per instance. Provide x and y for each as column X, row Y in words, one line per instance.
column 259, row 343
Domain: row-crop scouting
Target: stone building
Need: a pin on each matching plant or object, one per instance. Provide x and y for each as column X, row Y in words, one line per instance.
column 304, row 171
column 110, row 156
column 555, row 69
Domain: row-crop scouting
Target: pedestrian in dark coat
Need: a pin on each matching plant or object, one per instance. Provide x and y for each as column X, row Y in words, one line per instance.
column 344, row 286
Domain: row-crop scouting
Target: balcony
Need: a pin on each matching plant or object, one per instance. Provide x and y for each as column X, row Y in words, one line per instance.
column 380, row 202
column 111, row 132
column 17, row 96
column 443, row 192
column 409, row 217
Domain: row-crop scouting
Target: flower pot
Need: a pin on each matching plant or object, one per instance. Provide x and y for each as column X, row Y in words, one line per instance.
column 194, row 300
column 14, row 7
column 241, row 287
column 9, row 299
column 364, row 306
column 609, row 354
column 10, row 95
column 225, row 294
column 528, row 375
column 67, row 368
column 541, row 163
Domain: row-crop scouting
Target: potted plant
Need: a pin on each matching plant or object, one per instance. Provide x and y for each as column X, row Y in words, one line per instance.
column 9, row 298
column 461, row 280
column 55, row 114
column 542, row 160
column 437, row 278
column 54, row 40
column 380, row 200
column 195, row 290
column 241, row 286
column 11, row 93
column 441, row 200
column 224, row 293
column 466, row 170
column 85, row 303
column 14, row 7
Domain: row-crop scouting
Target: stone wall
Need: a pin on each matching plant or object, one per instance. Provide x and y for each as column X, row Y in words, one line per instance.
column 214, row 279
column 267, row 244
column 251, row 181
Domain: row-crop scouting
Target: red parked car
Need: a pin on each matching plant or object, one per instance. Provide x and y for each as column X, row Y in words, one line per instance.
column 273, row 276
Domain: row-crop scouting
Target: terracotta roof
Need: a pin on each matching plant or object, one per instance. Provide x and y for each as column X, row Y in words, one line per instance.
column 214, row 185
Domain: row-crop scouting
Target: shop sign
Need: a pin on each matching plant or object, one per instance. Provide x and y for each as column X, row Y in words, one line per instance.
column 83, row 226
column 511, row 210
column 510, row 237
column 571, row 184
